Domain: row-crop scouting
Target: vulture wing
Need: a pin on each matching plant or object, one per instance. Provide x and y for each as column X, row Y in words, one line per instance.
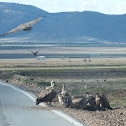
column 105, row 102
column 32, row 22
column 22, row 26
column 44, row 93
column 46, row 96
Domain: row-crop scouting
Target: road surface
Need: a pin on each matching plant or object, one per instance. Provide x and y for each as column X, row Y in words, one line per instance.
column 17, row 108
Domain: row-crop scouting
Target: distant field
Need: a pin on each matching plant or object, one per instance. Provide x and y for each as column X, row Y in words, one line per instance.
column 74, row 62
column 12, row 52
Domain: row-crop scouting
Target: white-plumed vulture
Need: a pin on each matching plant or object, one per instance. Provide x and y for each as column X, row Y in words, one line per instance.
column 64, row 98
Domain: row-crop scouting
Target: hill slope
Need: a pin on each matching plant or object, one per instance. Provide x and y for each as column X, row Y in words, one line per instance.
column 61, row 27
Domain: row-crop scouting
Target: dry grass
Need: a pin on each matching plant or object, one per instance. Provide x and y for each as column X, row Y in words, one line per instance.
column 99, row 62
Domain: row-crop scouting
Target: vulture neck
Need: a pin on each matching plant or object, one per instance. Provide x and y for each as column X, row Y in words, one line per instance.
column 52, row 86
column 88, row 95
column 97, row 96
column 63, row 89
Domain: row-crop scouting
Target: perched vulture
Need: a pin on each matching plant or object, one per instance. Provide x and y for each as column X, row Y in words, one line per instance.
column 46, row 95
column 90, row 99
column 80, row 102
column 102, row 102
column 98, row 101
column 64, row 98
column 63, row 92
column 105, row 102
column 25, row 27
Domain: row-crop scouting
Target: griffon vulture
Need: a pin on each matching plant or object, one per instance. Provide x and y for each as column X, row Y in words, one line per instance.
column 35, row 53
column 25, row 27
column 79, row 102
column 90, row 99
column 46, row 95
column 64, row 98
column 102, row 102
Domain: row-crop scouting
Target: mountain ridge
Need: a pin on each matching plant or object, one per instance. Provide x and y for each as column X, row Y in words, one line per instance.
column 62, row 27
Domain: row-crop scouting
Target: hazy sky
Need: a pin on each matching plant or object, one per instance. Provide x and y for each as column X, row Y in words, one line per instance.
column 104, row 6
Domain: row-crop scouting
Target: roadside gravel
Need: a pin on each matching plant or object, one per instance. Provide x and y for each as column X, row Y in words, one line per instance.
column 116, row 117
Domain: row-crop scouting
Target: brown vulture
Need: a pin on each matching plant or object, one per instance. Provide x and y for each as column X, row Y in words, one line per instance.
column 25, row 27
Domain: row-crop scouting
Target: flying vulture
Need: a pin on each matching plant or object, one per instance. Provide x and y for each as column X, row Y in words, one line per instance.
column 25, row 27
column 35, row 53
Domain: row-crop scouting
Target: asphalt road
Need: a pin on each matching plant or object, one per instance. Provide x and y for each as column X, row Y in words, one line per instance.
column 17, row 108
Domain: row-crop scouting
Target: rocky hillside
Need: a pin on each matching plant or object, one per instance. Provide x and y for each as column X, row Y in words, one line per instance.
column 61, row 27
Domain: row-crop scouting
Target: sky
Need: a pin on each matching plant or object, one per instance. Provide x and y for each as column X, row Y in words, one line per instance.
column 53, row 6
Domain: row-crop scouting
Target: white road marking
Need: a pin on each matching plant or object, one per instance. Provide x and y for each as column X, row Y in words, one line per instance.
column 68, row 118
column 60, row 113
